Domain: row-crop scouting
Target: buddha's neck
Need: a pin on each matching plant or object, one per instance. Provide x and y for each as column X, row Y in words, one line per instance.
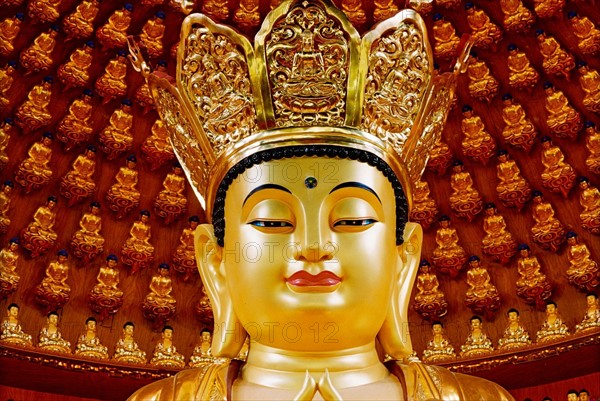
column 272, row 367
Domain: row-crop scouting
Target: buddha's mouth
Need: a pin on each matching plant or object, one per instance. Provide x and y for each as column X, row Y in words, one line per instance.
column 302, row 281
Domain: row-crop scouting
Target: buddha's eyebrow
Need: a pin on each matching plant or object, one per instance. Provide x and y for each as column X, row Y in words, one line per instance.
column 352, row 184
column 266, row 186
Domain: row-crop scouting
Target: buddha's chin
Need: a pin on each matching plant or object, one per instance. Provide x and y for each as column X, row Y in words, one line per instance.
column 316, row 289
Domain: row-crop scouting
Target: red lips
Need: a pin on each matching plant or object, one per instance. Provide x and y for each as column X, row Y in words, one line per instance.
column 304, row 279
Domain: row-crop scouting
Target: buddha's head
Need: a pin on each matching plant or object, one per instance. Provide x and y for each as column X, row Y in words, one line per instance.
column 572, row 395
column 167, row 333
column 52, row 318
column 13, row 310
column 205, row 336
column 584, row 395
column 475, row 322
column 513, row 315
column 128, row 329
column 591, row 299
column 90, row 324
column 551, row 308
column 437, row 327
column 112, row 260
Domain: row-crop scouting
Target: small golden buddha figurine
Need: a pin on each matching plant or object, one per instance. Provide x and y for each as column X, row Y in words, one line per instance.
column 482, row 84
column 76, row 126
column 143, row 96
column 429, row 302
column 465, row 200
column 152, row 35
column 5, row 130
column 515, row 335
column 54, row 292
column 9, row 30
column 106, row 298
column 80, row 23
column 33, row 113
column 126, row 349
column 548, row 8
column 88, row 345
column 356, row 13
column 562, row 119
column 6, row 81
column 137, row 251
column 43, row 10
column 449, row 257
column 39, row 236
column 156, row 149
column 204, row 309
column 11, row 331
column 165, row 354
column 425, row 210
column 216, row 9
column 558, row 175
column 123, row 196
column 592, row 143
column 160, row 304
column 78, row 184
column 438, row 348
column 112, row 84
column 75, row 73
column 9, row 278
column 556, row 61
column 444, row 38
column 589, row 199
column 498, row 242
column 38, row 56
column 482, row 296
column 548, row 231
column 477, row 342
column 34, row 172
column 171, row 203
column 521, row 74
column 591, row 319
column 484, row 33
column 440, row 157
column 113, row 34
column 184, row 260
column 517, row 18
column 587, row 34
column 247, row 15
column 477, row 144
column 583, row 271
column 553, row 328
column 202, row 354
column 589, row 80
column 519, row 131
column 116, row 138
column 87, row 242
column 50, row 339
column 7, row 189
column 532, row 285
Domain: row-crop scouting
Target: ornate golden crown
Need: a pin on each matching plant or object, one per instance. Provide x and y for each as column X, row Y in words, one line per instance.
column 308, row 80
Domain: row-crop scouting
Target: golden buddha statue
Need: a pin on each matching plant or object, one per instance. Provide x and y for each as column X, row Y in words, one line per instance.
column 78, row 184
column 592, row 143
column 39, row 236
column 548, row 8
column 583, row 271
column 482, row 296
column 587, row 34
column 116, row 138
column 123, row 196
column 11, row 331
column 562, row 119
column 558, row 175
column 156, row 149
column 498, row 242
column 38, row 56
column 165, row 354
column 440, row 157
column 484, row 33
column 465, row 200
column 112, row 84
column 75, row 128
column 127, row 350
column 171, row 203
column 34, row 172
column 449, row 257
column 184, row 260
column 355, row 11
column 548, row 231
column 438, row 348
column 444, row 38
column 9, row 30
column 143, row 96
column 9, row 278
column 532, row 285
column 589, row 199
column 160, row 304
column 429, row 302
column 515, row 336
column 6, row 81
column 202, row 354
column 50, row 339
column 33, row 113
column 521, row 74
column 75, row 73
column 477, row 342
column 87, row 242
column 517, row 18
column 54, row 292
column 43, row 10
column 80, row 23
column 519, row 131
column 216, row 9
column 553, row 328
column 88, row 345
column 106, row 298
column 152, row 34
column 7, row 189
column 5, row 130
column 425, row 210
column 204, row 309
column 591, row 319
column 482, row 84
column 477, row 144
column 113, row 34
column 137, row 251
column 556, row 61
column 589, row 80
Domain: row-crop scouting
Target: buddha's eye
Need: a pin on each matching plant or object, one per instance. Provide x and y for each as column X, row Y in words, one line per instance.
column 354, row 222
column 270, row 223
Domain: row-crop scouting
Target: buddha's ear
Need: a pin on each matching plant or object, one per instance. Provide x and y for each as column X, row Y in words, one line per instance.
column 228, row 334
column 394, row 334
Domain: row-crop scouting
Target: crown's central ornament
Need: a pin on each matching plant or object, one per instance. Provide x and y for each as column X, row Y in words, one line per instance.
column 308, row 80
